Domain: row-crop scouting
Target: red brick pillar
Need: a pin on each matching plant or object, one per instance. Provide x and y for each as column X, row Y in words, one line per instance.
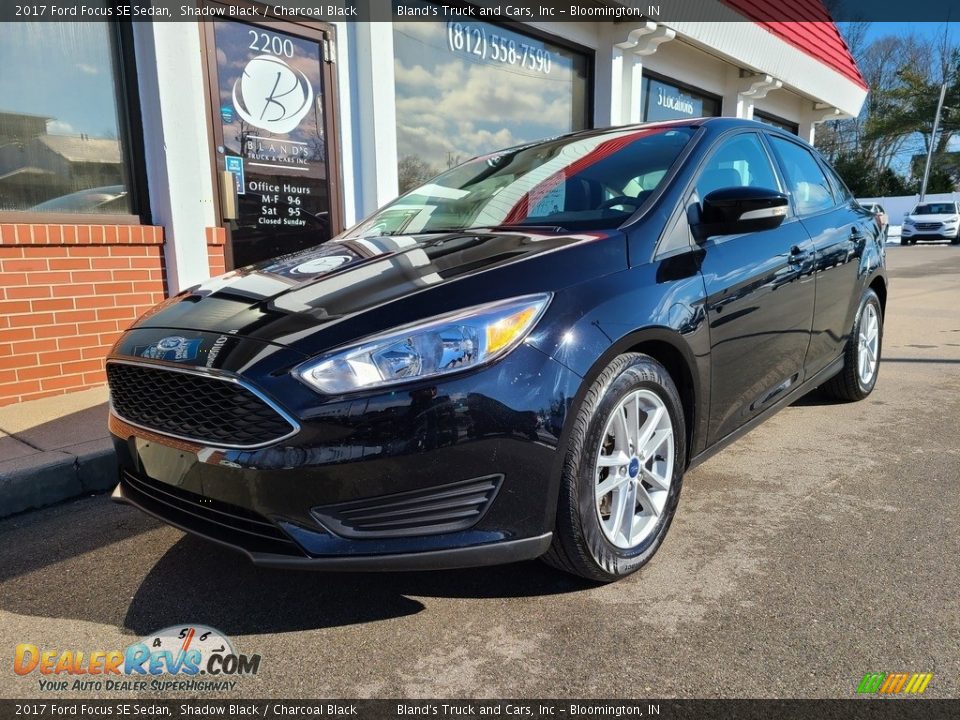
column 216, row 240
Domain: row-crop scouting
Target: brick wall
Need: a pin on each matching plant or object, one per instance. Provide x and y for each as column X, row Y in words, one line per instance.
column 216, row 240
column 66, row 294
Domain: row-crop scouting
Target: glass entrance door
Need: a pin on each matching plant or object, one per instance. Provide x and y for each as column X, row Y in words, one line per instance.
column 273, row 115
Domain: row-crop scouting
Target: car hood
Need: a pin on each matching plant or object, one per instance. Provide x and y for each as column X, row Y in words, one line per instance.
column 931, row 218
column 298, row 299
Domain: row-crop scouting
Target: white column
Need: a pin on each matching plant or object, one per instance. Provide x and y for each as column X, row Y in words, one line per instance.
column 344, row 52
column 817, row 114
column 608, row 71
column 641, row 42
column 374, row 119
column 744, row 91
column 177, row 144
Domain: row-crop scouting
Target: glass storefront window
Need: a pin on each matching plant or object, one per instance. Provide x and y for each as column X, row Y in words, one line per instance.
column 468, row 88
column 663, row 100
column 61, row 145
column 769, row 119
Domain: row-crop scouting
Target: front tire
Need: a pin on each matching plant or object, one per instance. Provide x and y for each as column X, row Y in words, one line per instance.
column 622, row 472
column 861, row 355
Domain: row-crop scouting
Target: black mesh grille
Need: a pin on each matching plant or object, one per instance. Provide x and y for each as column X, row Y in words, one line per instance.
column 196, row 407
column 440, row 509
column 206, row 516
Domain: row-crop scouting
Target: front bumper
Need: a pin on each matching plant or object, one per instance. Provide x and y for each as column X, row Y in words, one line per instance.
column 507, row 551
column 405, row 452
column 912, row 234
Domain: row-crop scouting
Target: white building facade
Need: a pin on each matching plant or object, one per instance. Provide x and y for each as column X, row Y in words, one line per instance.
column 198, row 146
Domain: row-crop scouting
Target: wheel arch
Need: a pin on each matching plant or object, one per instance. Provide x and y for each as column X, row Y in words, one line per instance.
column 879, row 286
column 673, row 359
column 670, row 349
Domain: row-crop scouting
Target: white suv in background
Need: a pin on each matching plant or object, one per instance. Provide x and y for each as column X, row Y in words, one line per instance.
column 932, row 221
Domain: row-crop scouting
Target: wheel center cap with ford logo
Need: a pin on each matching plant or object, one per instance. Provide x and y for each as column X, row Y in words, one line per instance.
column 634, row 467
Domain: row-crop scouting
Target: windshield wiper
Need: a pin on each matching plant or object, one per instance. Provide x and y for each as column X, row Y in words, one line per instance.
column 523, row 226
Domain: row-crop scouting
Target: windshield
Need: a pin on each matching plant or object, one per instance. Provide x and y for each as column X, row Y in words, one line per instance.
column 580, row 183
column 936, row 209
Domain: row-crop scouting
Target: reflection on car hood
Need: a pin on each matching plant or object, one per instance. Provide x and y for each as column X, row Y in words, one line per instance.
column 294, row 296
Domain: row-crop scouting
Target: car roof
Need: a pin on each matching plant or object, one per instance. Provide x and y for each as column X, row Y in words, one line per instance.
column 715, row 123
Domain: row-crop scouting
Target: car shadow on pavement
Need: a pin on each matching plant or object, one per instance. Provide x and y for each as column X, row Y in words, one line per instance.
column 62, row 542
column 816, row 398
column 197, row 581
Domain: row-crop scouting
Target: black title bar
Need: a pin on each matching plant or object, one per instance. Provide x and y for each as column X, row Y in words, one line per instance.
column 853, row 709
column 520, row 10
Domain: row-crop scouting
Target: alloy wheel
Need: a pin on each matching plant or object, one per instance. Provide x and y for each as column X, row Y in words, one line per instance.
column 634, row 469
column 869, row 344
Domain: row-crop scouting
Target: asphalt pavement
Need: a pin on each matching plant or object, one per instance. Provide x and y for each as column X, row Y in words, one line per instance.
column 822, row 546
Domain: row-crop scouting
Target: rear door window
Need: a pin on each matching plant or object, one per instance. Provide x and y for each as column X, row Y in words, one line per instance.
column 840, row 189
column 808, row 186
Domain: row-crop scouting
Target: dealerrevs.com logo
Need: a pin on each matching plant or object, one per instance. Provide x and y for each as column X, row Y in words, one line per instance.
column 894, row 683
column 190, row 658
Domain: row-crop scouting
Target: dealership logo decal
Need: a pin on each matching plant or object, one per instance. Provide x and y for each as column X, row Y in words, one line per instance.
column 272, row 95
column 321, row 264
column 175, row 348
column 894, row 683
column 170, row 659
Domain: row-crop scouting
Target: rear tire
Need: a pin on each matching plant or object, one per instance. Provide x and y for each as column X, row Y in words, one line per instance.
column 622, row 472
column 861, row 355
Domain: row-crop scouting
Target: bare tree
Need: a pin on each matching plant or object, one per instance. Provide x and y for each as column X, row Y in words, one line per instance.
column 413, row 171
column 904, row 73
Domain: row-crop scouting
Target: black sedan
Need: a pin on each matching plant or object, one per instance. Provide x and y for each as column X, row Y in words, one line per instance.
column 519, row 359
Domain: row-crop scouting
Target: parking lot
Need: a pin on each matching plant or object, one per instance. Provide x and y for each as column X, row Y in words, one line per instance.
column 820, row 547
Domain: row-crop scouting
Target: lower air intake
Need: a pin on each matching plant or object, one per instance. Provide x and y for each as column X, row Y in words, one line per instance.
column 439, row 509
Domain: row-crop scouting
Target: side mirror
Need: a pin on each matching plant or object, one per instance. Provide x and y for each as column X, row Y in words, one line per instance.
column 736, row 210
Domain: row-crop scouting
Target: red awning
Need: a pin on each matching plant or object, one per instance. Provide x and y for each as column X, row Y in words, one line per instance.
column 806, row 25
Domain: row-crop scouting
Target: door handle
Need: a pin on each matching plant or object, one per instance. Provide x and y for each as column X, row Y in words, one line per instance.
column 797, row 255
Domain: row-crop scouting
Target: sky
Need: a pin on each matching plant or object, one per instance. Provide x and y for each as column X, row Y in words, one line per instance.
column 930, row 31
column 927, row 29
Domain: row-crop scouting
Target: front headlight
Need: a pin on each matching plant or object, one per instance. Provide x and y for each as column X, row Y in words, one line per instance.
column 445, row 344
column 908, row 221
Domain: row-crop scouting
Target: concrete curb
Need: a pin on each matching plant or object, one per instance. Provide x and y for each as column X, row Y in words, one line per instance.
column 52, row 476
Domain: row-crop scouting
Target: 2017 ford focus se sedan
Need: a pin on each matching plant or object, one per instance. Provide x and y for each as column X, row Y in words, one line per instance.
column 520, row 358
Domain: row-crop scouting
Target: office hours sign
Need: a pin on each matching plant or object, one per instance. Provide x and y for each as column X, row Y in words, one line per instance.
column 270, row 109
